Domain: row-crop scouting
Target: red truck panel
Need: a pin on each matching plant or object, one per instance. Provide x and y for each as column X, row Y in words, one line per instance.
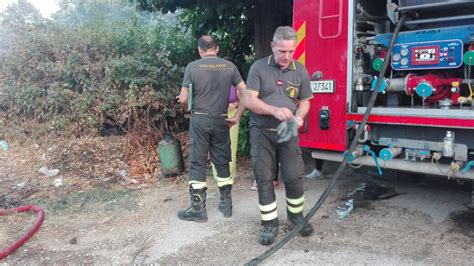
column 326, row 51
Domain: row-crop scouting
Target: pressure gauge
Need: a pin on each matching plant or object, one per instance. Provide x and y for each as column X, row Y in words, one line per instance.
column 404, row 61
column 404, row 51
column 396, row 57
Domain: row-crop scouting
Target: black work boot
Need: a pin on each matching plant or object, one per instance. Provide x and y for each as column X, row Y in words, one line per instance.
column 197, row 211
column 225, row 206
column 295, row 219
column 268, row 232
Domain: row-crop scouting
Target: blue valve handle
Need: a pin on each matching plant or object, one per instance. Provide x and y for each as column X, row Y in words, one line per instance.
column 366, row 148
column 468, row 167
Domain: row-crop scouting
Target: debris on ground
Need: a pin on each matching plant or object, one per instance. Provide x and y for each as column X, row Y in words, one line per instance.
column 344, row 209
column 58, row 182
column 371, row 191
column 4, row 145
column 88, row 157
column 21, row 185
column 73, row 241
column 48, row 172
column 362, row 194
column 34, row 169
column 34, row 166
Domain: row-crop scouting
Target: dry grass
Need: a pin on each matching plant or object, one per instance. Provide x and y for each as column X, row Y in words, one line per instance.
column 83, row 163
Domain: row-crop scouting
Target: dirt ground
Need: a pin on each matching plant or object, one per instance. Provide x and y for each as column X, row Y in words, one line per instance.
column 117, row 222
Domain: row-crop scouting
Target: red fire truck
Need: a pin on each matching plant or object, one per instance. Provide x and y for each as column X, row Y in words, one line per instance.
column 423, row 118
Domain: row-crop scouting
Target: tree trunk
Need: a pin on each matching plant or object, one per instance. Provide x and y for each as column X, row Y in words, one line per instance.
column 269, row 14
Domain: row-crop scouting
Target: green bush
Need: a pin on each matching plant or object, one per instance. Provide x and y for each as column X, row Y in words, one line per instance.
column 94, row 65
column 243, row 146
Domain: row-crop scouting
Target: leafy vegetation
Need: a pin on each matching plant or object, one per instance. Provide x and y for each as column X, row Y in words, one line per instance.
column 92, row 66
column 102, row 66
column 245, row 28
column 243, row 145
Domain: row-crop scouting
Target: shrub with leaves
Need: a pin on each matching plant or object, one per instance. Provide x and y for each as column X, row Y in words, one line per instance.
column 243, row 145
column 94, row 65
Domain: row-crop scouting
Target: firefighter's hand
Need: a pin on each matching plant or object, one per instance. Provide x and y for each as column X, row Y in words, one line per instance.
column 283, row 114
column 299, row 121
column 180, row 100
column 232, row 106
column 232, row 121
column 287, row 130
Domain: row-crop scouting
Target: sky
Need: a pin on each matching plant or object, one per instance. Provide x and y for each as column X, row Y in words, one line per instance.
column 46, row 7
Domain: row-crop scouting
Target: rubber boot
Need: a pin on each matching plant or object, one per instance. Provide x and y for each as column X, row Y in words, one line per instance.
column 197, row 211
column 268, row 232
column 225, row 205
column 295, row 219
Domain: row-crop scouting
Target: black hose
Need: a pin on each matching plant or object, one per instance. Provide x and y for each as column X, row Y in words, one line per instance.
column 331, row 185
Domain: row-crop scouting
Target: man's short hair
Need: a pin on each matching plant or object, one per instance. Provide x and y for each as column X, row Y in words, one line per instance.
column 207, row 42
column 286, row 33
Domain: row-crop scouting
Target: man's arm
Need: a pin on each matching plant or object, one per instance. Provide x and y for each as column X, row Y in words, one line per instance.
column 254, row 104
column 302, row 111
column 241, row 107
column 183, row 97
column 241, row 96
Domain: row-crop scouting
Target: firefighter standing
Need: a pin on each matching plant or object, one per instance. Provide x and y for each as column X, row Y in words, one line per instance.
column 278, row 89
column 210, row 79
